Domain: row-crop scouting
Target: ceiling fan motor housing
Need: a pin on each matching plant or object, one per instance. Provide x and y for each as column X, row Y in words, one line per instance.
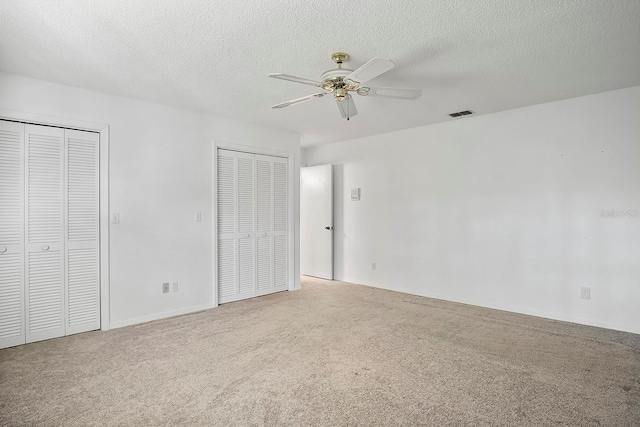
column 333, row 81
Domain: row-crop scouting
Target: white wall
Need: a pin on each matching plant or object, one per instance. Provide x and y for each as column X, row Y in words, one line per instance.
column 160, row 174
column 500, row 210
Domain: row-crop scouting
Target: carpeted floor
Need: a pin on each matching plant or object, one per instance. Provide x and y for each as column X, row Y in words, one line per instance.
column 330, row 354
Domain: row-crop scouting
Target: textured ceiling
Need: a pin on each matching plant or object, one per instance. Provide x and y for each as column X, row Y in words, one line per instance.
column 214, row 56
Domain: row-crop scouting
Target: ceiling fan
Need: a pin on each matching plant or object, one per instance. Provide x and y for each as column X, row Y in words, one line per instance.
column 340, row 81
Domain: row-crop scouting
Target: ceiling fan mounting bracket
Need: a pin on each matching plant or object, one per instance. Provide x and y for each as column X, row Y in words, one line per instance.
column 339, row 57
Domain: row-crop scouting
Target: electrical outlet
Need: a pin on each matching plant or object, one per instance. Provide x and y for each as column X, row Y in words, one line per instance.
column 585, row 293
column 174, row 287
column 373, row 265
column 165, row 288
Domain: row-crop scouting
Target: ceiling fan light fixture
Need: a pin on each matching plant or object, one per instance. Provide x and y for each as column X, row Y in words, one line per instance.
column 364, row 91
column 340, row 93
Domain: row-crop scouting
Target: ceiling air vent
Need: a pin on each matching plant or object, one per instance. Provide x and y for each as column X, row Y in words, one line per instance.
column 461, row 113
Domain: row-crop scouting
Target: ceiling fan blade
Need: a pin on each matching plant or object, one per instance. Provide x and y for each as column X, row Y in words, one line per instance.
column 347, row 107
column 297, row 100
column 295, row 79
column 371, row 69
column 390, row 92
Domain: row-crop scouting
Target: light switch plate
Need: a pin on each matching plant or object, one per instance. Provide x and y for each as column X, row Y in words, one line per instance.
column 198, row 216
column 115, row 218
column 355, row 194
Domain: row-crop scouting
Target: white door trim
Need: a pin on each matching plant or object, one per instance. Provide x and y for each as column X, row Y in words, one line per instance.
column 290, row 156
column 103, row 130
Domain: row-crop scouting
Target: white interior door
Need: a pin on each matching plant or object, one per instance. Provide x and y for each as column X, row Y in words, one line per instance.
column 316, row 221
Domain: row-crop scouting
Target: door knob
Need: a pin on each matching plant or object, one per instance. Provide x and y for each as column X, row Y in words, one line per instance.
column 45, row 247
column 327, row 227
column 3, row 249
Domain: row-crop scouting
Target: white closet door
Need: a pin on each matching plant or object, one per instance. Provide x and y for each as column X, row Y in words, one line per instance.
column 11, row 234
column 236, row 226
column 280, row 222
column 45, row 300
column 246, row 225
column 252, row 225
column 227, row 208
column 264, row 224
column 82, row 232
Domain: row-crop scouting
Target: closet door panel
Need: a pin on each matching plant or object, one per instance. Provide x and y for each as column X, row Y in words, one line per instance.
column 226, row 270
column 45, row 296
column 264, row 194
column 264, row 263
column 12, row 330
column 280, row 223
column 246, row 193
column 246, row 224
column 264, row 223
column 226, row 169
column 227, row 209
column 246, row 266
column 280, row 195
column 280, row 262
column 45, row 302
column 82, row 232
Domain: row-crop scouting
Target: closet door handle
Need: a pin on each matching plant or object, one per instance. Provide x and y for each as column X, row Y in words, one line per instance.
column 3, row 249
column 45, row 247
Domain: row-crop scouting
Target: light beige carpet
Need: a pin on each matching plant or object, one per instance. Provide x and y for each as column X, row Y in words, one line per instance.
column 330, row 354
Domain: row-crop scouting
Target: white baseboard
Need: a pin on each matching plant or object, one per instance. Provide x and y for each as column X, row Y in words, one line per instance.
column 158, row 316
column 536, row 313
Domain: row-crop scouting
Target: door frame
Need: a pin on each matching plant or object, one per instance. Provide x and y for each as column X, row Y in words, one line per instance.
column 290, row 156
column 103, row 130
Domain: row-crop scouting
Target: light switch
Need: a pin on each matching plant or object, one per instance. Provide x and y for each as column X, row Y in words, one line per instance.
column 198, row 216
column 355, row 194
column 115, row 218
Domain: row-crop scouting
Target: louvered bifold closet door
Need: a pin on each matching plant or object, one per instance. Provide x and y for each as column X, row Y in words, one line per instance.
column 252, row 192
column 236, row 226
column 82, row 232
column 12, row 330
column 44, row 233
column 246, row 225
column 227, row 216
column 264, row 224
column 280, row 224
